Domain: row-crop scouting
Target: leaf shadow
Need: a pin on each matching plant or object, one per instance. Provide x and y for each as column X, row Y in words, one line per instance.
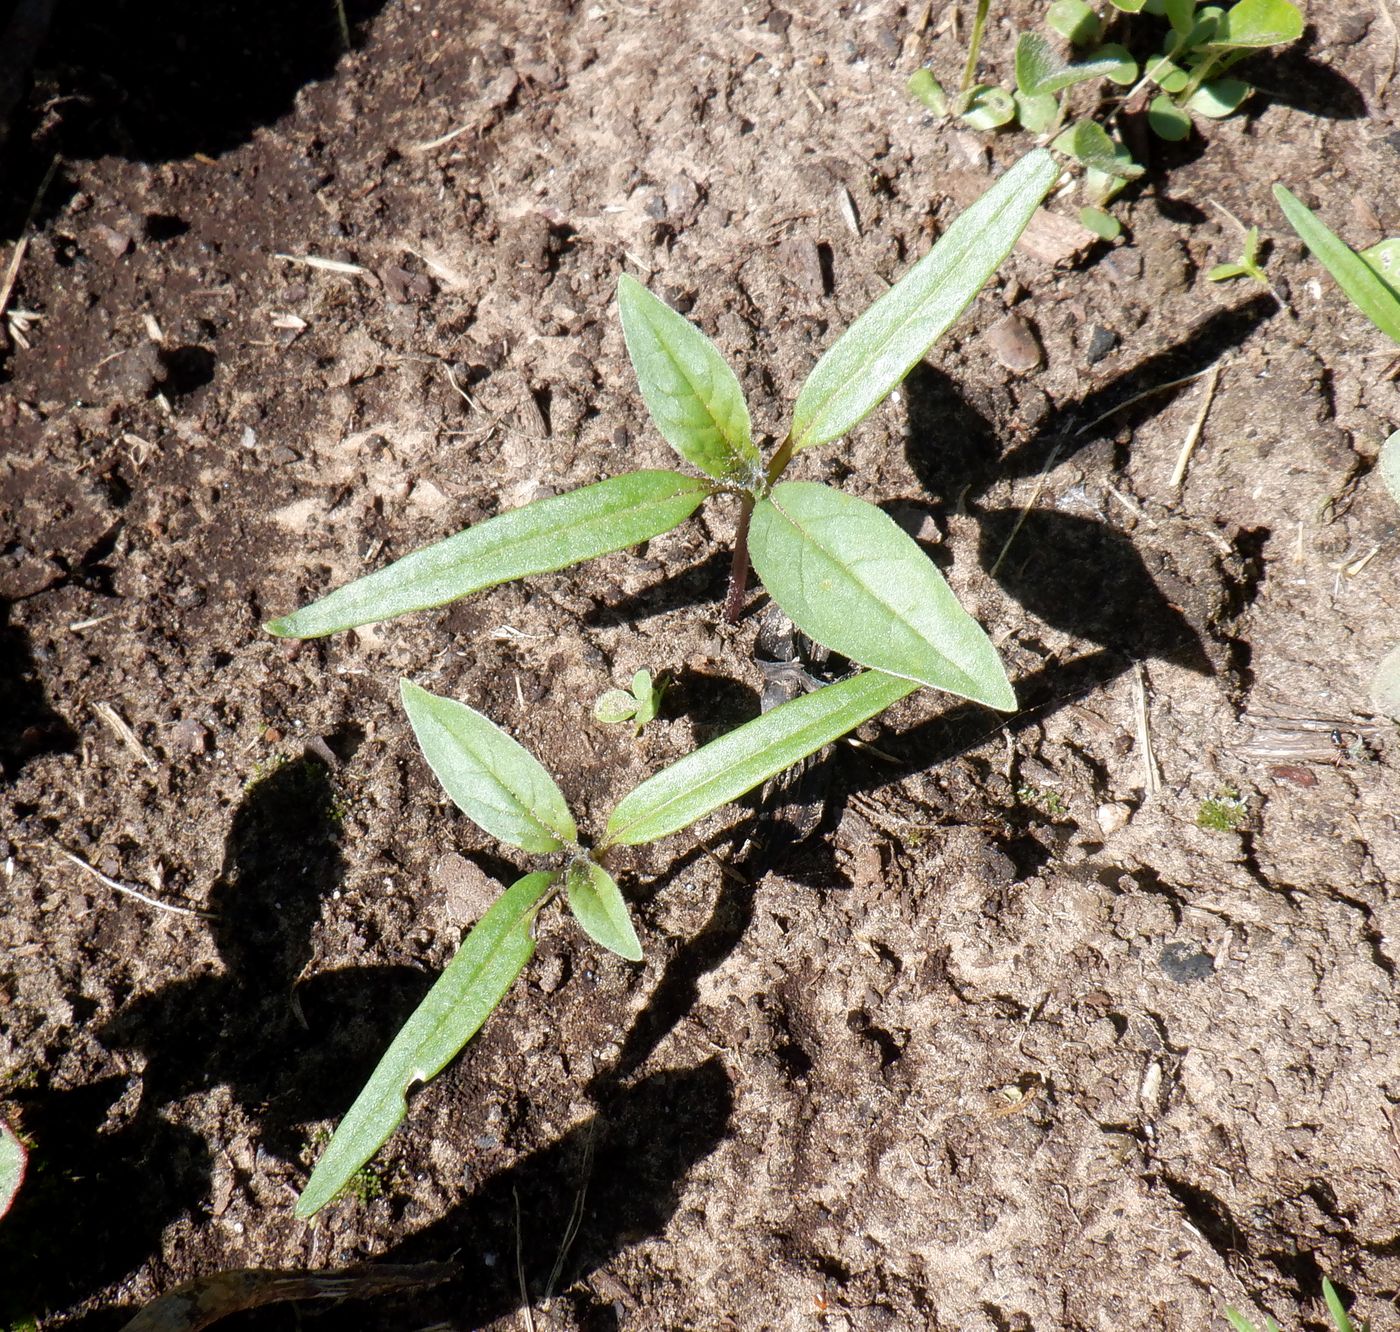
column 29, row 726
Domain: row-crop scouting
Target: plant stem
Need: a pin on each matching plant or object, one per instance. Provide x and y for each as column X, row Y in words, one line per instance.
column 780, row 461
column 739, row 568
column 974, row 47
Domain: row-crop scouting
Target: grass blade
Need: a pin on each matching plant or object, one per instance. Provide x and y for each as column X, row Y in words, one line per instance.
column 549, row 534
column 726, row 768
column 872, row 357
column 691, row 392
column 1354, row 275
column 598, row 906
column 849, row 577
column 476, row 980
column 494, row 780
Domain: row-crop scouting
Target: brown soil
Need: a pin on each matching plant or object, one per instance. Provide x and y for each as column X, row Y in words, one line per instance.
column 1013, row 1043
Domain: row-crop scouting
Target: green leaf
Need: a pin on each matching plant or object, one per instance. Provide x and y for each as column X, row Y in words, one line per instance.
column 1128, row 6
column 1383, row 259
column 872, row 356
column 1166, row 74
column 1259, row 23
column 1218, row 98
column 929, row 91
column 1224, row 272
column 494, row 780
column 648, row 695
column 1125, row 70
column 725, row 769
column 597, row 904
column 12, row 1163
column 1074, row 21
column 1363, row 287
column 549, row 534
column 1104, row 225
column 691, row 392
column 1040, row 68
column 1036, row 114
column 1181, row 14
column 476, row 980
column 617, row 705
column 1090, row 145
column 988, row 108
column 1389, row 465
column 851, row 578
column 1335, row 1307
column 1168, row 121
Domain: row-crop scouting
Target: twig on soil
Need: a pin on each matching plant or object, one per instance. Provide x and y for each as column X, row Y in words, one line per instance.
column 1138, row 397
column 575, row 1220
column 441, row 269
column 129, row 891
column 1193, row 436
column 525, row 1306
column 442, row 139
column 328, row 265
column 1151, row 776
column 1029, row 505
column 123, row 732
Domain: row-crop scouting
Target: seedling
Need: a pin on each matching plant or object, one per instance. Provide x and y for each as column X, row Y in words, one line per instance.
column 502, row 788
column 1202, row 43
column 13, row 1157
column 1247, row 265
column 1330, row 1297
column 638, row 704
column 1225, row 811
column 841, row 569
column 1370, row 279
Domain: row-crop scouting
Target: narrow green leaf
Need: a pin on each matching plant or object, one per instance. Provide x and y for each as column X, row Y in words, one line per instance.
column 1259, row 23
column 1091, row 146
column 1335, row 1307
column 1075, row 21
column 1389, row 465
column 691, row 392
column 1104, row 225
column 476, row 980
column 852, row 579
column 1168, row 121
column 549, row 534
column 597, row 904
column 871, row 358
column 748, row 756
column 1223, row 272
column 929, row 91
column 1219, row 98
column 1041, row 69
column 1363, row 287
column 987, row 107
column 12, row 1163
column 494, row 780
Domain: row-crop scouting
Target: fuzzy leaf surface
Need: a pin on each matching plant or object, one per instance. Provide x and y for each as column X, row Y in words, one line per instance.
column 688, row 387
column 1041, row 69
column 549, row 534
column 12, row 1162
column 1353, row 274
column 494, row 780
column 491, row 956
column 873, row 356
column 851, row 578
column 598, row 906
column 748, row 756
column 1389, row 465
column 1259, row 23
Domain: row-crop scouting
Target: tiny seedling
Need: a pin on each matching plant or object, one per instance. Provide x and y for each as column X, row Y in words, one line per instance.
column 502, row 788
column 1370, row 279
column 1247, row 265
column 639, row 703
column 13, row 1158
column 1340, row 1319
column 841, row 569
column 1225, row 811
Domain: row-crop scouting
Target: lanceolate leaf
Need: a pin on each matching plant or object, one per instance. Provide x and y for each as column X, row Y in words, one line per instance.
column 1041, row 69
column 726, row 768
column 1367, row 291
column 546, row 535
column 491, row 778
column 690, row 390
column 476, row 980
column 597, row 904
column 849, row 577
column 871, row 358
column 12, row 1160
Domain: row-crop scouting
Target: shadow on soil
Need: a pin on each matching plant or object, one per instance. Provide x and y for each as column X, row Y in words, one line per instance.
column 28, row 725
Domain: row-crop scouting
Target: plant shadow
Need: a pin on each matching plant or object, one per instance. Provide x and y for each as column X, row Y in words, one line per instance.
column 29, row 727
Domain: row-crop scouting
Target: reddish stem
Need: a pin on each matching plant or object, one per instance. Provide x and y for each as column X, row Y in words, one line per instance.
column 739, row 568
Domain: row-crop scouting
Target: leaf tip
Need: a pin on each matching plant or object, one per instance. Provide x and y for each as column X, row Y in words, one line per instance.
column 282, row 627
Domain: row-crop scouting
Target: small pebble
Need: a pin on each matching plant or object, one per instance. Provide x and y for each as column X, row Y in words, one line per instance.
column 1015, row 345
column 1101, row 341
column 1111, row 817
column 1184, row 963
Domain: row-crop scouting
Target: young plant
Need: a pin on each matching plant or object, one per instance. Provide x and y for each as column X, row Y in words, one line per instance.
column 1247, row 265
column 841, row 569
column 638, row 704
column 502, row 788
column 1370, row 279
column 1340, row 1319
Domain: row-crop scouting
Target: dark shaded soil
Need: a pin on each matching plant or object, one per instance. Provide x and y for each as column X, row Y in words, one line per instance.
column 1013, row 1042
